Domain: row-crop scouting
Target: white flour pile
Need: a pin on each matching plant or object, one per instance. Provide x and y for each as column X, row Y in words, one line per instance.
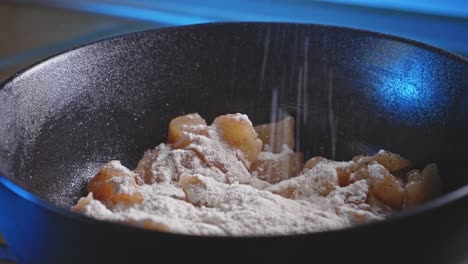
column 207, row 189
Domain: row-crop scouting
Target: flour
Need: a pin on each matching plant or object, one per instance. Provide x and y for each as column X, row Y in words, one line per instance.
column 207, row 189
column 269, row 155
column 214, row 208
column 376, row 170
column 242, row 117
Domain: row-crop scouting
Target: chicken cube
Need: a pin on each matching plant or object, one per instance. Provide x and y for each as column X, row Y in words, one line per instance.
column 237, row 131
column 391, row 161
column 277, row 134
column 183, row 127
column 106, row 185
column 424, row 186
column 277, row 169
column 385, row 186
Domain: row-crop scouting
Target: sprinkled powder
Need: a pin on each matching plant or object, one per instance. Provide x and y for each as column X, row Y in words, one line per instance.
column 206, row 188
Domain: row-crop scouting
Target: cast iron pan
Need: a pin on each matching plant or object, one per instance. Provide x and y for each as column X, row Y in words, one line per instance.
column 351, row 92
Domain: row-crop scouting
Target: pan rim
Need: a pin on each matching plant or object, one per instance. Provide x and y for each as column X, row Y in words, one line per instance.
column 393, row 219
column 445, row 199
column 416, row 43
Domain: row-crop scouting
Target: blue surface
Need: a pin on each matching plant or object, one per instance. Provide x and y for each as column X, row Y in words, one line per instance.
column 21, row 240
column 5, row 254
column 19, row 190
column 158, row 16
column 99, row 33
column 448, row 32
column 442, row 24
column 439, row 7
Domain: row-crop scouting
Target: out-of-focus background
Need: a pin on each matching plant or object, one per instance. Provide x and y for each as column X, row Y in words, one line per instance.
column 34, row 29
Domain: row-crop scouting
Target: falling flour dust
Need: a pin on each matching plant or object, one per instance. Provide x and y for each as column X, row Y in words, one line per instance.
column 180, row 191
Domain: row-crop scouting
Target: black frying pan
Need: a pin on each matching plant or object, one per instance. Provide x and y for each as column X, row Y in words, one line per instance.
column 350, row 91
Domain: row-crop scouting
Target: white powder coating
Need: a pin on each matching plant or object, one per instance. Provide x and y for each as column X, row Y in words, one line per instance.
column 268, row 155
column 214, row 208
column 376, row 170
column 215, row 194
column 242, row 117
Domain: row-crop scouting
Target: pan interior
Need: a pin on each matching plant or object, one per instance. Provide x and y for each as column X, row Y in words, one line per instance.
column 351, row 92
